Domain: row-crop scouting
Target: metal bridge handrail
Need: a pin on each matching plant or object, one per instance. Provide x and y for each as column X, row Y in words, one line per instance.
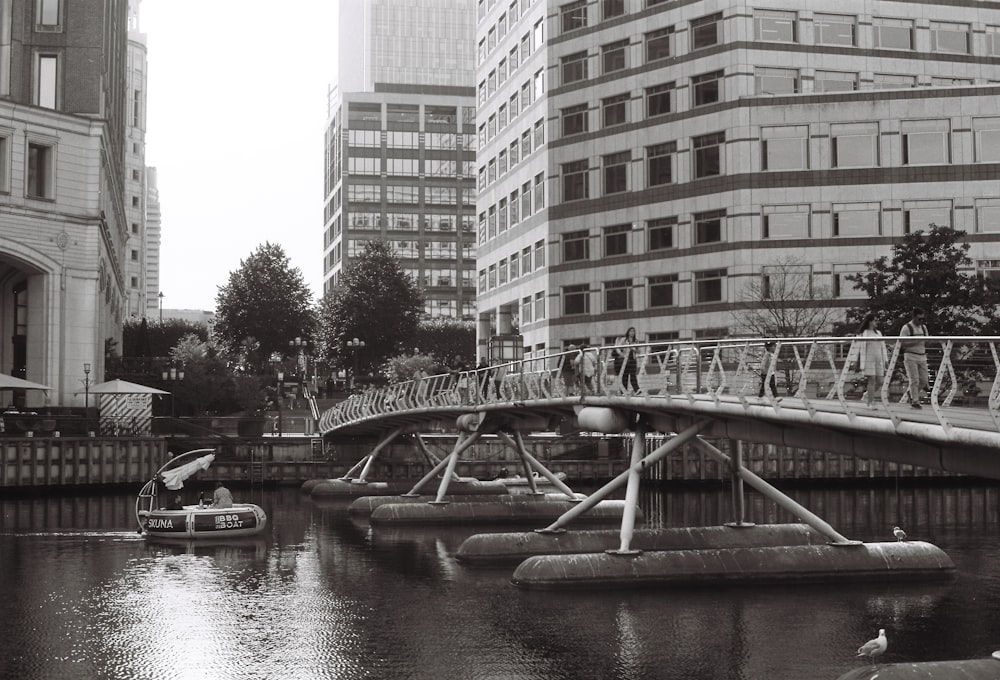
column 810, row 369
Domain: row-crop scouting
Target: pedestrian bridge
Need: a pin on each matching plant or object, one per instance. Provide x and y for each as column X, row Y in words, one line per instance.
column 710, row 389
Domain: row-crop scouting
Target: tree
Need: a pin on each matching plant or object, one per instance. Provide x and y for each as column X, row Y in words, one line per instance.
column 930, row 270
column 140, row 338
column 265, row 304
column 447, row 338
column 375, row 301
column 785, row 302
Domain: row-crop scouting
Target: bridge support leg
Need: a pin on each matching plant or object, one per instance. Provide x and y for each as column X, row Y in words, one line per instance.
column 362, row 478
column 452, row 461
column 593, row 499
column 739, row 502
column 778, row 497
column 431, row 458
column 357, row 466
column 464, row 442
column 518, row 443
column 632, row 493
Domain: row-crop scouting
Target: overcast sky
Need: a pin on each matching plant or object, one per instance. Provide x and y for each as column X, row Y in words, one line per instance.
column 236, row 114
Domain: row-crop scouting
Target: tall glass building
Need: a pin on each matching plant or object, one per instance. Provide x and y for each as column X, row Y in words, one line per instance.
column 400, row 145
column 665, row 164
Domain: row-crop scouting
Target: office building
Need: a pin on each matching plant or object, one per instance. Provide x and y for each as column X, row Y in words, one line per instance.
column 663, row 164
column 64, row 230
column 400, row 145
column 135, row 168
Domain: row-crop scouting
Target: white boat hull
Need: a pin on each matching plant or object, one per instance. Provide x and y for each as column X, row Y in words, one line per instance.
column 243, row 519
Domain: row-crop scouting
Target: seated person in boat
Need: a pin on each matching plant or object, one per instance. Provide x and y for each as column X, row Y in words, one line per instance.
column 176, row 504
column 222, row 498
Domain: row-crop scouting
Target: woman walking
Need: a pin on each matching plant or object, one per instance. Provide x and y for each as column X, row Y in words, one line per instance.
column 626, row 364
column 872, row 357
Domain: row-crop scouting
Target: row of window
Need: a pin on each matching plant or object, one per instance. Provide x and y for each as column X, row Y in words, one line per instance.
column 434, row 308
column 518, row 264
column 394, row 139
column 408, row 114
column 413, row 249
column 397, row 221
column 508, row 211
column 783, row 26
column 505, row 22
column 409, row 167
column 508, row 157
column 440, row 277
column 782, row 148
column 710, row 286
column 406, row 194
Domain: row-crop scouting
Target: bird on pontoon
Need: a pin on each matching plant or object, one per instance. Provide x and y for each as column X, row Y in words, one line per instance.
column 874, row 648
column 899, row 534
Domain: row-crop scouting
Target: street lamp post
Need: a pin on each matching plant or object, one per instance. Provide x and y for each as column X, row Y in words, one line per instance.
column 161, row 306
column 301, row 362
column 355, row 345
column 86, row 397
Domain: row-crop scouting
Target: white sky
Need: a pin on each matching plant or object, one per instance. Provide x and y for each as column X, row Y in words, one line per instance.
column 236, row 114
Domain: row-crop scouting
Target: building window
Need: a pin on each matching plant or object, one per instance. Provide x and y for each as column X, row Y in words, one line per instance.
column 613, row 56
column 785, row 221
column 659, row 99
column 949, row 81
column 708, row 285
column 612, row 8
column 614, row 110
column 135, row 255
column 46, row 80
column 893, row 34
column 515, row 260
column 539, row 306
column 576, row 246
column 39, row 181
column 574, row 181
column 538, row 33
column 514, row 217
column 539, row 191
column 616, row 172
column 774, row 26
column 708, row 154
column 926, row 142
column 706, row 31
column 618, row 295
column 574, row 120
column 660, row 233
column 786, row 282
column 539, row 253
column 573, row 16
column 785, row 147
column 890, row 81
column 661, row 290
column 855, row 145
column 857, row 219
column 988, row 215
column 776, row 81
column 949, row 37
column 707, row 88
column 539, row 81
column 616, row 239
column 526, row 259
column 526, row 309
column 659, row 44
column 525, row 143
column 576, row 299
column 660, row 163
column 47, row 12
column 708, row 226
column 574, row 68
column 835, row 81
column 993, row 40
column 920, row 215
column 987, row 139
column 843, row 286
column 526, row 199
column 835, row 29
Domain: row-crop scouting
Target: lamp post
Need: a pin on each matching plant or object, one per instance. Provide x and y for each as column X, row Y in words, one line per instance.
column 86, row 397
column 301, row 362
column 355, row 345
column 172, row 374
column 161, row 306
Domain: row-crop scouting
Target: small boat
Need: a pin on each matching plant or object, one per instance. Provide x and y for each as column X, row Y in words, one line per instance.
column 192, row 521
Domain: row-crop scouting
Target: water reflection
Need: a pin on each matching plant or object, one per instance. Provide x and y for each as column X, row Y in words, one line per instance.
column 323, row 595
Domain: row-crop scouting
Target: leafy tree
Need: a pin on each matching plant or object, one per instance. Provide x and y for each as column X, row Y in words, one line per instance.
column 401, row 368
column 265, row 303
column 447, row 338
column 140, row 338
column 375, row 301
column 786, row 302
column 931, row 270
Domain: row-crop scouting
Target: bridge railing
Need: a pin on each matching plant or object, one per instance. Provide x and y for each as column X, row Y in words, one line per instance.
column 963, row 371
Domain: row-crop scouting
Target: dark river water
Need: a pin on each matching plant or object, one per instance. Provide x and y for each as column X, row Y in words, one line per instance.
column 321, row 595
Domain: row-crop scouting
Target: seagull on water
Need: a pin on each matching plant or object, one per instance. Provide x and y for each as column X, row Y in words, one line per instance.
column 899, row 534
column 874, row 648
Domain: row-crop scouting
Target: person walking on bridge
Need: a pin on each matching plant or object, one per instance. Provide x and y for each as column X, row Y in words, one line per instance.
column 626, row 364
column 872, row 357
column 915, row 356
